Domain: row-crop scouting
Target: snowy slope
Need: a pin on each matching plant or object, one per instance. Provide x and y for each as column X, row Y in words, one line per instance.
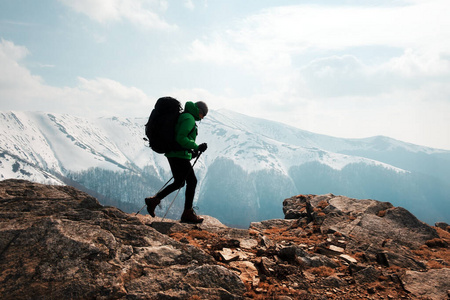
column 257, row 144
column 12, row 167
column 22, row 137
column 67, row 143
column 61, row 143
column 294, row 136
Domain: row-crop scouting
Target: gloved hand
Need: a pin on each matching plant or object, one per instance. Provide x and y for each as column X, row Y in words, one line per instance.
column 202, row 147
column 194, row 153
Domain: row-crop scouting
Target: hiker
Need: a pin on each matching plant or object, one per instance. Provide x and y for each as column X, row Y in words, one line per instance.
column 179, row 161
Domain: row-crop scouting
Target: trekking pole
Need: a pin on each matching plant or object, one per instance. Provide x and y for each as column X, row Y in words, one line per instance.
column 140, row 210
column 167, row 211
column 156, row 193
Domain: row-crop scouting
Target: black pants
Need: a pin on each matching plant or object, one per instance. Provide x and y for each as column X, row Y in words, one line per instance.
column 182, row 172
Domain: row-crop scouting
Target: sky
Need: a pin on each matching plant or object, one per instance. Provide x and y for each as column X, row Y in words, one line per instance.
column 350, row 69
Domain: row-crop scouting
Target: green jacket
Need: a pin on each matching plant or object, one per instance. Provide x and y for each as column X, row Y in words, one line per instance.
column 186, row 131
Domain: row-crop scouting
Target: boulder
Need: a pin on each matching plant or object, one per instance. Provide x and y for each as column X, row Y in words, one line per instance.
column 433, row 284
column 334, row 281
column 270, row 224
column 365, row 220
column 367, row 275
column 443, row 226
column 215, row 281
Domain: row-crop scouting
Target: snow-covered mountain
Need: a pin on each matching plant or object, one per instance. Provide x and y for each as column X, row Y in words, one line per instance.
column 250, row 166
column 257, row 144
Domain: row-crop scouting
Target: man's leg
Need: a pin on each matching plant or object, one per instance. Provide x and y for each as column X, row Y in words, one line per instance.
column 189, row 215
column 180, row 168
column 191, row 184
column 179, row 171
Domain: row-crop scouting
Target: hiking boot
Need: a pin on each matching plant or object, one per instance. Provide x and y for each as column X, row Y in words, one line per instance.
column 189, row 216
column 152, row 202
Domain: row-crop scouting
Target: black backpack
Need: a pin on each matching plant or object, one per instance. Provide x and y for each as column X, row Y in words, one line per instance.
column 160, row 128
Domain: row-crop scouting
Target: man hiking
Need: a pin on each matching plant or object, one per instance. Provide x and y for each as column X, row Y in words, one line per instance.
column 179, row 161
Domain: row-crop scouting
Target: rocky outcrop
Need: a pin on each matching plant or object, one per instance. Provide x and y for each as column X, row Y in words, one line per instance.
column 367, row 220
column 378, row 234
column 57, row 242
column 60, row 243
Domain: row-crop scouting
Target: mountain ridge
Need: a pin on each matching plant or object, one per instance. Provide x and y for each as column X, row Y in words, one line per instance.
column 319, row 137
column 261, row 153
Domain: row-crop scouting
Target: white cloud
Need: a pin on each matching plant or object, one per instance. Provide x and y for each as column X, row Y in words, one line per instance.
column 139, row 12
column 212, row 100
column 8, row 49
column 20, row 90
column 414, row 63
column 215, row 50
column 404, row 95
column 104, row 97
column 15, row 80
column 189, row 4
column 337, row 76
column 274, row 36
column 269, row 44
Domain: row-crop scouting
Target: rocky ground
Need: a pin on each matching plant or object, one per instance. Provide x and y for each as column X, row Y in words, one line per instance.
column 330, row 247
column 58, row 242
